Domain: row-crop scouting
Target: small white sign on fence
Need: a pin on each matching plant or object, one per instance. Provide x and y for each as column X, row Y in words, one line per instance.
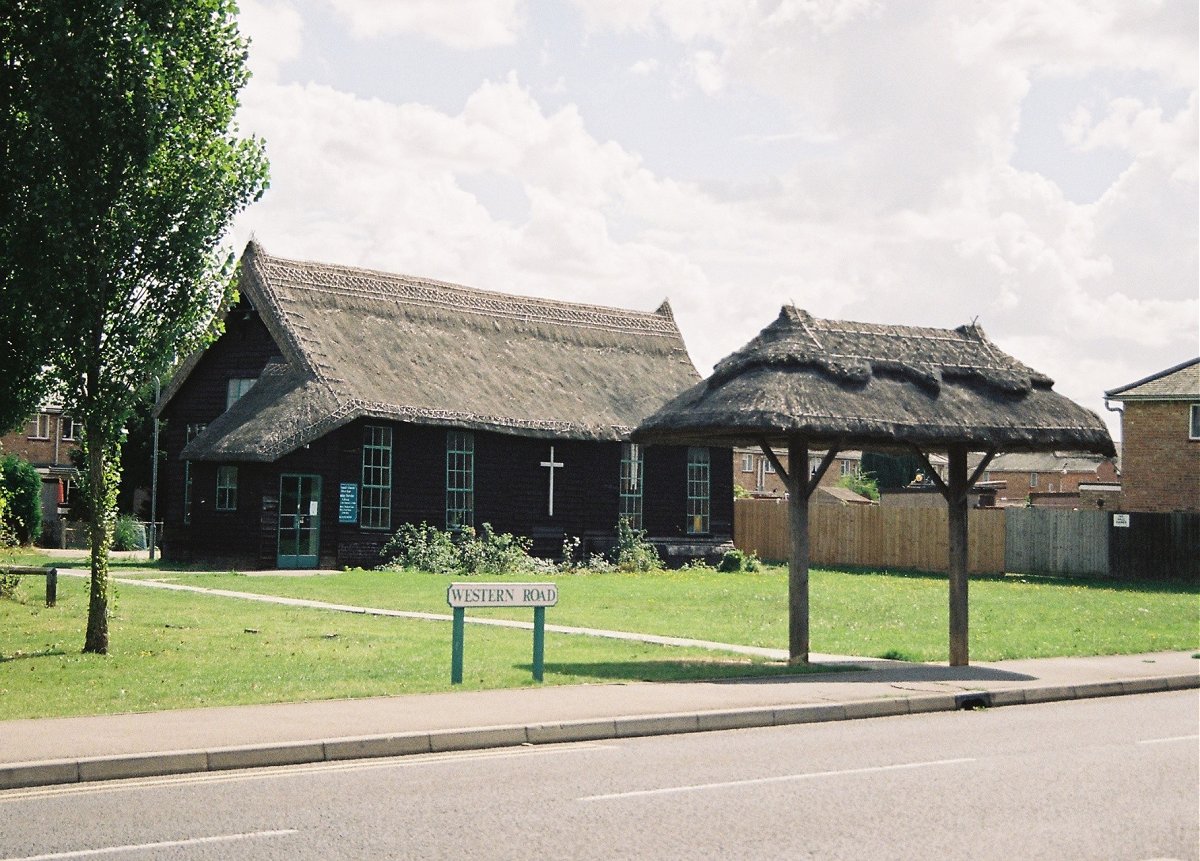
column 1121, row 520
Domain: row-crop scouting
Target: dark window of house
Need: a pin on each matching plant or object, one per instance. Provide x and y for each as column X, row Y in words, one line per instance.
column 460, row 479
column 193, row 431
column 698, row 487
column 632, row 471
column 1195, row 430
column 227, row 480
column 376, row 504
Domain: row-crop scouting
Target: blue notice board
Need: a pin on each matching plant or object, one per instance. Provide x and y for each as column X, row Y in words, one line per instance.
column 348, row 502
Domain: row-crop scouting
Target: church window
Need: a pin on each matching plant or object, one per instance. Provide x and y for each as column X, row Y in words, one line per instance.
column 376, row 504
column 460, row 479
column 698, row 491
column 632, row 471
column 227, row 478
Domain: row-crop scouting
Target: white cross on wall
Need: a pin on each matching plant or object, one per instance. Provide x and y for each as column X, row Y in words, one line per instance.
column 552, row 464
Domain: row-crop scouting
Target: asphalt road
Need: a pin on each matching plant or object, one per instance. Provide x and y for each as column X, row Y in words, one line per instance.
column 1111, row 778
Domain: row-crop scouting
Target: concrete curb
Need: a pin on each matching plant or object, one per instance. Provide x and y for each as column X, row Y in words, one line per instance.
column 123, row 766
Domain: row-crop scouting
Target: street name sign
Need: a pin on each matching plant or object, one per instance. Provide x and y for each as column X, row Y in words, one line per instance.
column 461, row 595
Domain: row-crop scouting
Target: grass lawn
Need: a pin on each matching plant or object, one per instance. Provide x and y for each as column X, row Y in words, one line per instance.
column 176, row 650
column 866, row 613
column 179, row 650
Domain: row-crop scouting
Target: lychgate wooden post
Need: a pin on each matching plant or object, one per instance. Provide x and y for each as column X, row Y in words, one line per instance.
column 956, row 501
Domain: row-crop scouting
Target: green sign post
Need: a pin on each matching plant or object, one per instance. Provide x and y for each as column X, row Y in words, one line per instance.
column 460, row 596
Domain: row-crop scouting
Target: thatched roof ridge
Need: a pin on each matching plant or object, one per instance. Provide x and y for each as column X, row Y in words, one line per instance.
column 397, row 347
column 865, row 385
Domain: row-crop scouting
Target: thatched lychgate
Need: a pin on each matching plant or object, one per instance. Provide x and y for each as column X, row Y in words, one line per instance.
column 808, row 383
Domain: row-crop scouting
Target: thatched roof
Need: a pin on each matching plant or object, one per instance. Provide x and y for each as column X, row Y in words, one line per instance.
column 864, row 385
column 1180, row 383
column 362, row 343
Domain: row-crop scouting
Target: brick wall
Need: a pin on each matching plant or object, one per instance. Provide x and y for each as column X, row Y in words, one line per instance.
column 1160, row 467
column 41, row 450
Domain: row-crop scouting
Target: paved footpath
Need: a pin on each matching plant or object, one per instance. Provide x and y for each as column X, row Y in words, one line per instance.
column 68, row 750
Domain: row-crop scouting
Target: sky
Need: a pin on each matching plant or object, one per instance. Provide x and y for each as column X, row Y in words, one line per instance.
column 1027, row 164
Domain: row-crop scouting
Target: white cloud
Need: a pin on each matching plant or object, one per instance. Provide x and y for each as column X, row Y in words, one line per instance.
column 275, row 31
column 900, row 205
column 463, row 24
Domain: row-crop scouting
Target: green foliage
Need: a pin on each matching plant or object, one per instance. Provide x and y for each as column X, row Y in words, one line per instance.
column 22, row 510
column 633, row 552
column 736, row 560
column 490, row 553
column 427, row 548
column 861, row 483
column 121, row 172
column 424, row 547
column 128, row 534
column 740, row 492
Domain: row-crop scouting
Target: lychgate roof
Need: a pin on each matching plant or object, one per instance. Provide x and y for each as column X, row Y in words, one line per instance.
column 1180, row 383
column 866, row 385
column 363, row 343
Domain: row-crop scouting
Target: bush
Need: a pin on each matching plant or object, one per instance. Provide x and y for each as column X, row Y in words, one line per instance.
column 428, row 548
column 736, row 560
column 862, row 483
column 128, row 534
column 633, row 552
column 22, row 512
column 423, row 547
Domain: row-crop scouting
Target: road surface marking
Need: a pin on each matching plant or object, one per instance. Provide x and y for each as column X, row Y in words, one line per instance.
column 163, row 844
column 1172, row 738
column 267, row 772
column 783, row 778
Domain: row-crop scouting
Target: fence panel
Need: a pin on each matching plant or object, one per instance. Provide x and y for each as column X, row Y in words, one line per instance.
column 1156, row 547
column 1053, row 541
column 870, row 536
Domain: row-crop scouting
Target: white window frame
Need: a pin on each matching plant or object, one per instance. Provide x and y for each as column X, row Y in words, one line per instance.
column 41, row 426
column 375, row 506
column 66, row 426
column 699, row 491
column 633, row 472
column 1033, row 479
column 1194, row 422
column 460, row 480
column 747, row 462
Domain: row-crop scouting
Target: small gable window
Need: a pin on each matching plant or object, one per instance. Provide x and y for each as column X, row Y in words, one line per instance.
column 460, row 479
column 237, row 387
column 227, row 479
column 632, row 470
column 1195, row 428
column 376, row 506
column 698, row 491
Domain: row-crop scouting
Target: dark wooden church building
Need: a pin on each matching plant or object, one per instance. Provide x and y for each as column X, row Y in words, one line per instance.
column 340, row 403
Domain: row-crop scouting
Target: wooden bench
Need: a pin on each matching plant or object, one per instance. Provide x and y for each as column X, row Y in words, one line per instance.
column 51, row 575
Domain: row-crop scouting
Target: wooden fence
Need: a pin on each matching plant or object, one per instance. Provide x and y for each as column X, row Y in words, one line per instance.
column 1056, row 541
column 870, row 536
column 1016, row 540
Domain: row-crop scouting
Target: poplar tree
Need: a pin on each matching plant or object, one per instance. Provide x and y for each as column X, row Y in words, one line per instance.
column 123, row 168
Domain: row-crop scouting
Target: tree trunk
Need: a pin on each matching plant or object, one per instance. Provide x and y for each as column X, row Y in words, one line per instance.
column 101, row 494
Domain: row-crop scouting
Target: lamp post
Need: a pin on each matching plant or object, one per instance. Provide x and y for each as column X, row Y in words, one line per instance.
column 154, row 478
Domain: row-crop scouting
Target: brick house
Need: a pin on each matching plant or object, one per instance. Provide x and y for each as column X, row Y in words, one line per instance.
column 46, row 441
column 1160, row 430
column 1043, row 475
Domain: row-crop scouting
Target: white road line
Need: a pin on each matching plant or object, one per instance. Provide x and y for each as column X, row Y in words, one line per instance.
column 783, row 778
column 1172, row 738
column 266, row 773
column 163, row 844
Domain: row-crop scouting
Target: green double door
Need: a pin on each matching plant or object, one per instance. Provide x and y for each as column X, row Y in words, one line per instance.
column 299, row 521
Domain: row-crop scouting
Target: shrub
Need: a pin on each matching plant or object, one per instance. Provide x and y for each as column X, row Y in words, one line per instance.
column 633, row 552
column 128, row 534
column 423, row 547
column 22, row 512
column 428, row 548
column 490, row 553
column 862, row 483
column 736, row 560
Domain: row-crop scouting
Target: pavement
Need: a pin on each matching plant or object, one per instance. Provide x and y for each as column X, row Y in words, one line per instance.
column 52, row 751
